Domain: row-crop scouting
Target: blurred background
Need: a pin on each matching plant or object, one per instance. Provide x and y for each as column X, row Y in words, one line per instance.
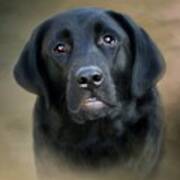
column 160, row 18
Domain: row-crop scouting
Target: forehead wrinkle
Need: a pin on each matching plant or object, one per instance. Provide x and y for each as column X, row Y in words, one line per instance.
column 107, row 23
column 83, row 23
column 75, row 18
column 81, row 17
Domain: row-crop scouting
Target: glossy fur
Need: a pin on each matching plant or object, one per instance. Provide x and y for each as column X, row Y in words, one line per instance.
column 128, row 131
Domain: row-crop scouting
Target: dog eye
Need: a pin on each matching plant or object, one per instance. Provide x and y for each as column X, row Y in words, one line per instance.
column 62, row 48
column 108, row 39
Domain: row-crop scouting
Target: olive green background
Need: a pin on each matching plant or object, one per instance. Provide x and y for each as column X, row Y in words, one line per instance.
column 160, row 18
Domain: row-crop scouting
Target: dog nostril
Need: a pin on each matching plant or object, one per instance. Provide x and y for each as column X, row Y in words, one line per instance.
column 97, row 79
column 83, row 81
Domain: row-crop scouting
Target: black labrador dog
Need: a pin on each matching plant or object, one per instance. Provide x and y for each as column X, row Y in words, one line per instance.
column 95, row 73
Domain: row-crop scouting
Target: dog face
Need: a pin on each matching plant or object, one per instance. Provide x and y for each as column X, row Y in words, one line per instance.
column 84, row 53
column 89, row 62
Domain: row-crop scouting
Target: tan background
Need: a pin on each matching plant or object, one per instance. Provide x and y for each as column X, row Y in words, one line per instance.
column 161, row 18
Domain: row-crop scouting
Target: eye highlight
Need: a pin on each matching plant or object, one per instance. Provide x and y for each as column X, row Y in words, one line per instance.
column 62, row 48
column 108, row 40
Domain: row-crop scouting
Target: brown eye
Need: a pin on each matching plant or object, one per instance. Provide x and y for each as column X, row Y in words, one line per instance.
column 108, row 40
column 62, row 48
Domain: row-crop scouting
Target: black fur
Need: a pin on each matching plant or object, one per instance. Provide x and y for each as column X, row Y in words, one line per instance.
column 128, row 131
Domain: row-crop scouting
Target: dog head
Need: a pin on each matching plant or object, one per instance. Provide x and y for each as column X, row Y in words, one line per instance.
column 89, row 61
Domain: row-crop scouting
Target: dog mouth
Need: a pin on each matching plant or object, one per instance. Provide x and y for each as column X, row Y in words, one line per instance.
column 95, row 103
column 92, row 104
column 91, row 107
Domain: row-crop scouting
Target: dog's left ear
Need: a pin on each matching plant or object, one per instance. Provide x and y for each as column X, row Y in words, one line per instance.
column 149, row 64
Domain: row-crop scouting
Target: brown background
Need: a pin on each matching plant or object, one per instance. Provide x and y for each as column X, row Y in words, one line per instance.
column 160, row 18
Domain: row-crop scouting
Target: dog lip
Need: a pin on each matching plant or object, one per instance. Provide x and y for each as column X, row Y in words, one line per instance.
column 93, row 103
column 91, row 99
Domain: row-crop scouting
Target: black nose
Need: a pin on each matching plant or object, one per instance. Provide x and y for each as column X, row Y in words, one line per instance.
column 89, row 76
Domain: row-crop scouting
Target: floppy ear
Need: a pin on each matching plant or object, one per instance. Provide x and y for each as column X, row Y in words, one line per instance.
column 27, row 70
column 148, row 64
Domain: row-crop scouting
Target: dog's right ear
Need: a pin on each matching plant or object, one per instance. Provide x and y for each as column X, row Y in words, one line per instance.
column 27, row 71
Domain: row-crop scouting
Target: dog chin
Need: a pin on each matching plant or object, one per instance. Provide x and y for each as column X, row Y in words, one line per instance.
column 90, row 113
